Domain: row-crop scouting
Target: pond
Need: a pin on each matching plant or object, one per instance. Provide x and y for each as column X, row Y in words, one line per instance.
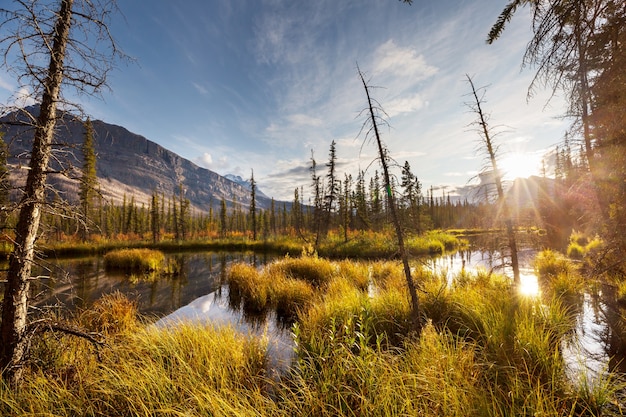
column 199, row 293
column 587, row 350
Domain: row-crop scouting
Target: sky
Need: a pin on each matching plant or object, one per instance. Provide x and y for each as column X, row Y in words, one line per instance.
column 262, row 86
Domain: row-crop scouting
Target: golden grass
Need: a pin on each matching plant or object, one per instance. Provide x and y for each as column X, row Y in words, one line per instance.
column 134, row 260
column 483, row 351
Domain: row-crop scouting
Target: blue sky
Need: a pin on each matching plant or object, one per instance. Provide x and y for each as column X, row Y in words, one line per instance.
column 241, row 85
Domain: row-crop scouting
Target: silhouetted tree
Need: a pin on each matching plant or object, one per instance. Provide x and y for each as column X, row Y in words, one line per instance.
column 490, row 149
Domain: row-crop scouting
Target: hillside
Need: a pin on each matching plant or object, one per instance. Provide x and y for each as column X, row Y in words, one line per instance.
column 127, row 165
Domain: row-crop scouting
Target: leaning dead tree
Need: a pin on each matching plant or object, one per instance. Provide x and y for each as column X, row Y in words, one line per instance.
column 489, row 148
column 371, row 128
column 53, row 48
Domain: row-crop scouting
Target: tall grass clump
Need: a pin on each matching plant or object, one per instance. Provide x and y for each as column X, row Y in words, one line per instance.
column 112, row 314
column 580, row 245
column 548, row 264
column 134, row 260
column 560, row 278
column 291, row 296
column 247, row 283
column 316, row 271
column 190, row 370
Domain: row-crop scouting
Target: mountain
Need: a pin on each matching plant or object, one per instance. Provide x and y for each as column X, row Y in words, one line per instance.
column 128, row 165
column 244, row 183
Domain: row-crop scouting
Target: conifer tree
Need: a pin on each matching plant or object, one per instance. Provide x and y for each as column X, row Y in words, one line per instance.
column 5, row 184
column 253, row 205
column 223, row 218
column 54, row 48
column 490, row 150
column 318, row 192
column 183, row 214
column 155, row 223
column 296, row 212
column 88, row 182
column 332, row 188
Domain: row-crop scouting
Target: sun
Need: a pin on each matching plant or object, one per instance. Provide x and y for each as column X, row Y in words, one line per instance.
column 520, row 165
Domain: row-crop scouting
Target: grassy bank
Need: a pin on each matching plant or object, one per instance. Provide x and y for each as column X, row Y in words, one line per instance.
column 365, row 245
column 484, row 350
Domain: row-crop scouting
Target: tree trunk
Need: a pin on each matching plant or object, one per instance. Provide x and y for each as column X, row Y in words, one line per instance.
column 415, row 310
column 504, row 207
column 15, row 304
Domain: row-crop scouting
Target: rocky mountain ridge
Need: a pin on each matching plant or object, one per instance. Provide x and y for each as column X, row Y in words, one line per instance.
column 128, row 165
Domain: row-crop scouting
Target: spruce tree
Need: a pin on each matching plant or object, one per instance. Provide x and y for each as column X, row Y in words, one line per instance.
column 253, row 206
column 88, row 182
column 5, row 184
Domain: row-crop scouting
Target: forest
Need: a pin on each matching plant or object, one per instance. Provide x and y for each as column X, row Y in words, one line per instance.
column 374, row 330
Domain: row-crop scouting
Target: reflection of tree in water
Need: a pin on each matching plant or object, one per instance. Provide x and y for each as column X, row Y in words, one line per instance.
column 77, row 283
column 613, row 335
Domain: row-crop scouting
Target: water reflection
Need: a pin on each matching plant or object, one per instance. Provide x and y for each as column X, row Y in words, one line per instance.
column 78, row 283
column 472, row 261
column 216, row 309
column 199, row 293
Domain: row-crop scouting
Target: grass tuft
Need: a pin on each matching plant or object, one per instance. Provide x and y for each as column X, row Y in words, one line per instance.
column 134, row 260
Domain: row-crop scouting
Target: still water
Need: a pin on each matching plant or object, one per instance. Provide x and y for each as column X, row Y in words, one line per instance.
column 200, row 294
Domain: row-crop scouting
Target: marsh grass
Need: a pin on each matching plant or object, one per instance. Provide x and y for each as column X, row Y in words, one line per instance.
column 549, row 264
column 253, row 287
column 138, row 260
column 483, row 351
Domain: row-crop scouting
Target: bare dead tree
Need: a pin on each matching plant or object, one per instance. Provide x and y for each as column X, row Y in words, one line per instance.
column 370, row 126
column 491, row 151
column 51, row 47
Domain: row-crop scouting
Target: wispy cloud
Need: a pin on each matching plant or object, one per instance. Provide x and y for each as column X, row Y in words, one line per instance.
column 200, row 88
column 391, row 59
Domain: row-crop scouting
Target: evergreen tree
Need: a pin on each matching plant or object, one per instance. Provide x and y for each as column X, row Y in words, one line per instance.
column 253, row 205
column 183, row 214
column 332, row 188
column 5, row 184
column 223, row 218
column 88, row 182
column 155, row 223
column 296, row 212
column 412, row 195
column 318, row 193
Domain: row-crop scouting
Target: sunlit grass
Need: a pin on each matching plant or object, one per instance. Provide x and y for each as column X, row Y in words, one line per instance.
column 134, row 260
column 253, row 287
column 483, row 350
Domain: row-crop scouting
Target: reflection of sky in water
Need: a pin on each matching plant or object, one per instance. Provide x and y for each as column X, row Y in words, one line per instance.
column 584, row 354
column 471, row 261
column 213, row 309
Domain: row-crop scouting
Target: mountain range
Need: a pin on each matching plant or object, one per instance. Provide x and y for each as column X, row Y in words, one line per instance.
column 131, row 166
column 128, row 165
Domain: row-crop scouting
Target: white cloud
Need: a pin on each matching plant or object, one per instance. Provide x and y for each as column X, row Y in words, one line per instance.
column 402, row 62
column 221, row 164
column 206, row 159
column 5, row 84
column 23, row 98
column 405, row 105
column 304, row 120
